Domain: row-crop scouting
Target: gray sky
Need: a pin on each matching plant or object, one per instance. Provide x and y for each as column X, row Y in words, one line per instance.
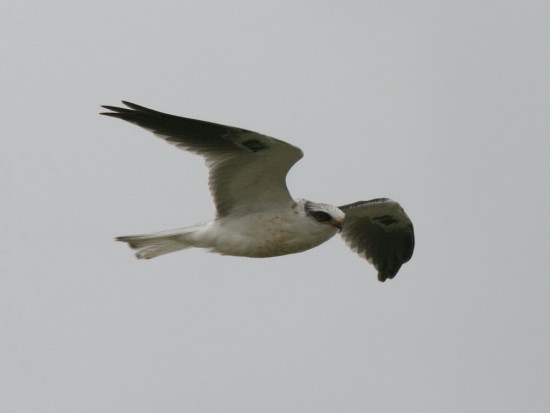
column 441, row 105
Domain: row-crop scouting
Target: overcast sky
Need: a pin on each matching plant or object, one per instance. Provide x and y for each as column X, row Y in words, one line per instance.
column 440, row 105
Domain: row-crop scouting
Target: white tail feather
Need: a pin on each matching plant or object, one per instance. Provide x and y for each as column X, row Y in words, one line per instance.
column 159, row 243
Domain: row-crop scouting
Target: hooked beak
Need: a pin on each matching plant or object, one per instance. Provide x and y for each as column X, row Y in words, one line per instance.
column 338, row 225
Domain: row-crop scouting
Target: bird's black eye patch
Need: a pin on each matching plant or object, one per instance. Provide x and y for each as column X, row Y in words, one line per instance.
column 321, row 216
column 254, row 145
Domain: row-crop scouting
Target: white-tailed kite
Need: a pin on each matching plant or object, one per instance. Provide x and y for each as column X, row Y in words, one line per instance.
column 256, row 216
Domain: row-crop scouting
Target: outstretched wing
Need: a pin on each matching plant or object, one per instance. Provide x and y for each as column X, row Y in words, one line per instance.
column 380, row 231
column 247, row 170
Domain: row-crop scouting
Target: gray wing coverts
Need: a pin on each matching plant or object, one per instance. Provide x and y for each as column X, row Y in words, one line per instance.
column 380, row 231
column 247, row 169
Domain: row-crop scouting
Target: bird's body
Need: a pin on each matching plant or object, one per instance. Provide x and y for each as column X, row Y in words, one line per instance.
column 256, row 216
column 270, row 233
column 258, row 234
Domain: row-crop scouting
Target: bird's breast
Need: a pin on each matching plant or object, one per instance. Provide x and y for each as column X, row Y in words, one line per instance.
column 268, row 234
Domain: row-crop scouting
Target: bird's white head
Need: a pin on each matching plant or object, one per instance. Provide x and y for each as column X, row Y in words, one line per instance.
column 324, row 214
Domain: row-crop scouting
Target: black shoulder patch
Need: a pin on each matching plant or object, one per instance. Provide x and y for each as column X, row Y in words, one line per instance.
column 254, row 145
column 386, row 219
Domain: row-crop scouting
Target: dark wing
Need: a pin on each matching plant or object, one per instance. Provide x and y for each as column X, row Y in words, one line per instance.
column 380, row 231
column 247, row 170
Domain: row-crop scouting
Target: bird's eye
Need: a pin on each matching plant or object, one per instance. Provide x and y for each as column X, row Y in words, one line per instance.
column 321, row 216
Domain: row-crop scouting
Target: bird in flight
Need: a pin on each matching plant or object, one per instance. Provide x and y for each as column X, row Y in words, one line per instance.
column 256, row 216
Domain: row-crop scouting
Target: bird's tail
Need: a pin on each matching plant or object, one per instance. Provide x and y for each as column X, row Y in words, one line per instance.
column 160, row 243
